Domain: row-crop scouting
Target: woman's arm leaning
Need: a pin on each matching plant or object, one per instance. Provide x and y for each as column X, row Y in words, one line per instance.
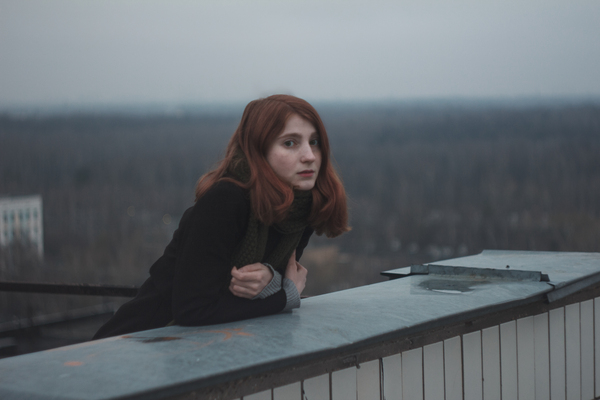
column 200, row 294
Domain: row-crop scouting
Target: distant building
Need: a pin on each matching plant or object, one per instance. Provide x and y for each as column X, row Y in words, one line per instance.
column 21, row 220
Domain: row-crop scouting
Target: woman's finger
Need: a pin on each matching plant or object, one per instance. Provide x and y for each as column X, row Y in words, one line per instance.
column 243, row 276
column 302, row 269
column 253, row 272
column 240, row 291
column 252, row 279
column 254, row 267
column 248, row 274
column 251, row 286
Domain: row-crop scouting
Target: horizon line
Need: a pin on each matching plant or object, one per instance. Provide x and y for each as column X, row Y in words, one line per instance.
column 225, row 107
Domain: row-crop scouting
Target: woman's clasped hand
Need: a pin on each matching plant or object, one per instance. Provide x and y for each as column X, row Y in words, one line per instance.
column 249, row 281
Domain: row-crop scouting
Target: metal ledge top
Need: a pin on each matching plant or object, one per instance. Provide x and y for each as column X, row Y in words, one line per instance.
column 175, row 360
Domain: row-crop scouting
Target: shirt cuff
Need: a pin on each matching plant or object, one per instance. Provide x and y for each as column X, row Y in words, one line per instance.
column 291, row 294
column 273, row 287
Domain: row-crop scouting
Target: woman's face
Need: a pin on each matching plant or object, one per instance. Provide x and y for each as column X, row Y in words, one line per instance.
column 295, row 155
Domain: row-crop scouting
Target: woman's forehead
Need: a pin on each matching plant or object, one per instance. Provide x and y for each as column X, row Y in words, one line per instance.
column 296, row 124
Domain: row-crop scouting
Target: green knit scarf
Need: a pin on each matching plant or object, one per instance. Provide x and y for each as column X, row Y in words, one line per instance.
column 252, row 247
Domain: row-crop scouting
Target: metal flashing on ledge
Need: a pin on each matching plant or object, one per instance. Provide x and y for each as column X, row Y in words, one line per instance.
column 490, row 273
column 566, row 290
column 473, row 272
column 397, row 273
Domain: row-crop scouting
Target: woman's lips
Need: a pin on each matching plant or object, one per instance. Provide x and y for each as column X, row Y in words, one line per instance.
column 307, row 173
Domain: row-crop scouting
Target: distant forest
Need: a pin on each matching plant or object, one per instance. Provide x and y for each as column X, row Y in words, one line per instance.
column 425, row 182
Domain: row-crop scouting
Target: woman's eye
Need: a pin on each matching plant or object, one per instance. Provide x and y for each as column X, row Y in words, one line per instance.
column 314, row 142
column 288, row 143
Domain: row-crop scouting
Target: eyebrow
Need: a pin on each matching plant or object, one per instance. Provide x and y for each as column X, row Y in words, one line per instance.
column 295, row 135
column 289, row 135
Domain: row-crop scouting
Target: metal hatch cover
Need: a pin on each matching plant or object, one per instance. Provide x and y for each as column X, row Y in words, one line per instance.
column 565, row 272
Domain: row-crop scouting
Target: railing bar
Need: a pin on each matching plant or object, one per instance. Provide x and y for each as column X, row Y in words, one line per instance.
column 86, row 289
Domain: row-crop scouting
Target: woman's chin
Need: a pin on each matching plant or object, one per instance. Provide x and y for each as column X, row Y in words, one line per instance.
column 304, row 186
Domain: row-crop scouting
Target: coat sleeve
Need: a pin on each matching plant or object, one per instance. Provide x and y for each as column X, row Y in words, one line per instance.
column 200, row 293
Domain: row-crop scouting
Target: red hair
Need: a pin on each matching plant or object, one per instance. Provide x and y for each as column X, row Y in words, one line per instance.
column 262, row 122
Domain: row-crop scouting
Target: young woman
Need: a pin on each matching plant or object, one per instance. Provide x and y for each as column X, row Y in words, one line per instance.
column 235, row 253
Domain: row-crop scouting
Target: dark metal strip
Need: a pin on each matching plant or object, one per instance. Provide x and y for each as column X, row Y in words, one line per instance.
column 69, row 288
column 508, row 273
column 505, row 274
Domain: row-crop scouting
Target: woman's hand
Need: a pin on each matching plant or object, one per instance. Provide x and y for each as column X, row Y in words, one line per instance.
column 296, row 273
column 250, row 280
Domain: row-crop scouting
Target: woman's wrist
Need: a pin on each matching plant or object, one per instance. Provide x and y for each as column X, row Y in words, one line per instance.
column 272, row 287
column 291, row 294
column 277, row 283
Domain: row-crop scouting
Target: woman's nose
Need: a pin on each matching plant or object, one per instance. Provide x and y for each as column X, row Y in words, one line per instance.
column 308, row 154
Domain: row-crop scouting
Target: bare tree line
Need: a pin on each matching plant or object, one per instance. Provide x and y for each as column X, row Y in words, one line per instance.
column 425, row 182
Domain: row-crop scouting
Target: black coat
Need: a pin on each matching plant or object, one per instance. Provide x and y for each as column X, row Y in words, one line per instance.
column 189, row 283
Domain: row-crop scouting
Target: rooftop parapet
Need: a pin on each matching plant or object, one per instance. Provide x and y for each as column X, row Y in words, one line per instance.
column 328, row 334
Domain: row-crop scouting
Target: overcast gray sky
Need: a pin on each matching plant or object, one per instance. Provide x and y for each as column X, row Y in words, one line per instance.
column 181, row 51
